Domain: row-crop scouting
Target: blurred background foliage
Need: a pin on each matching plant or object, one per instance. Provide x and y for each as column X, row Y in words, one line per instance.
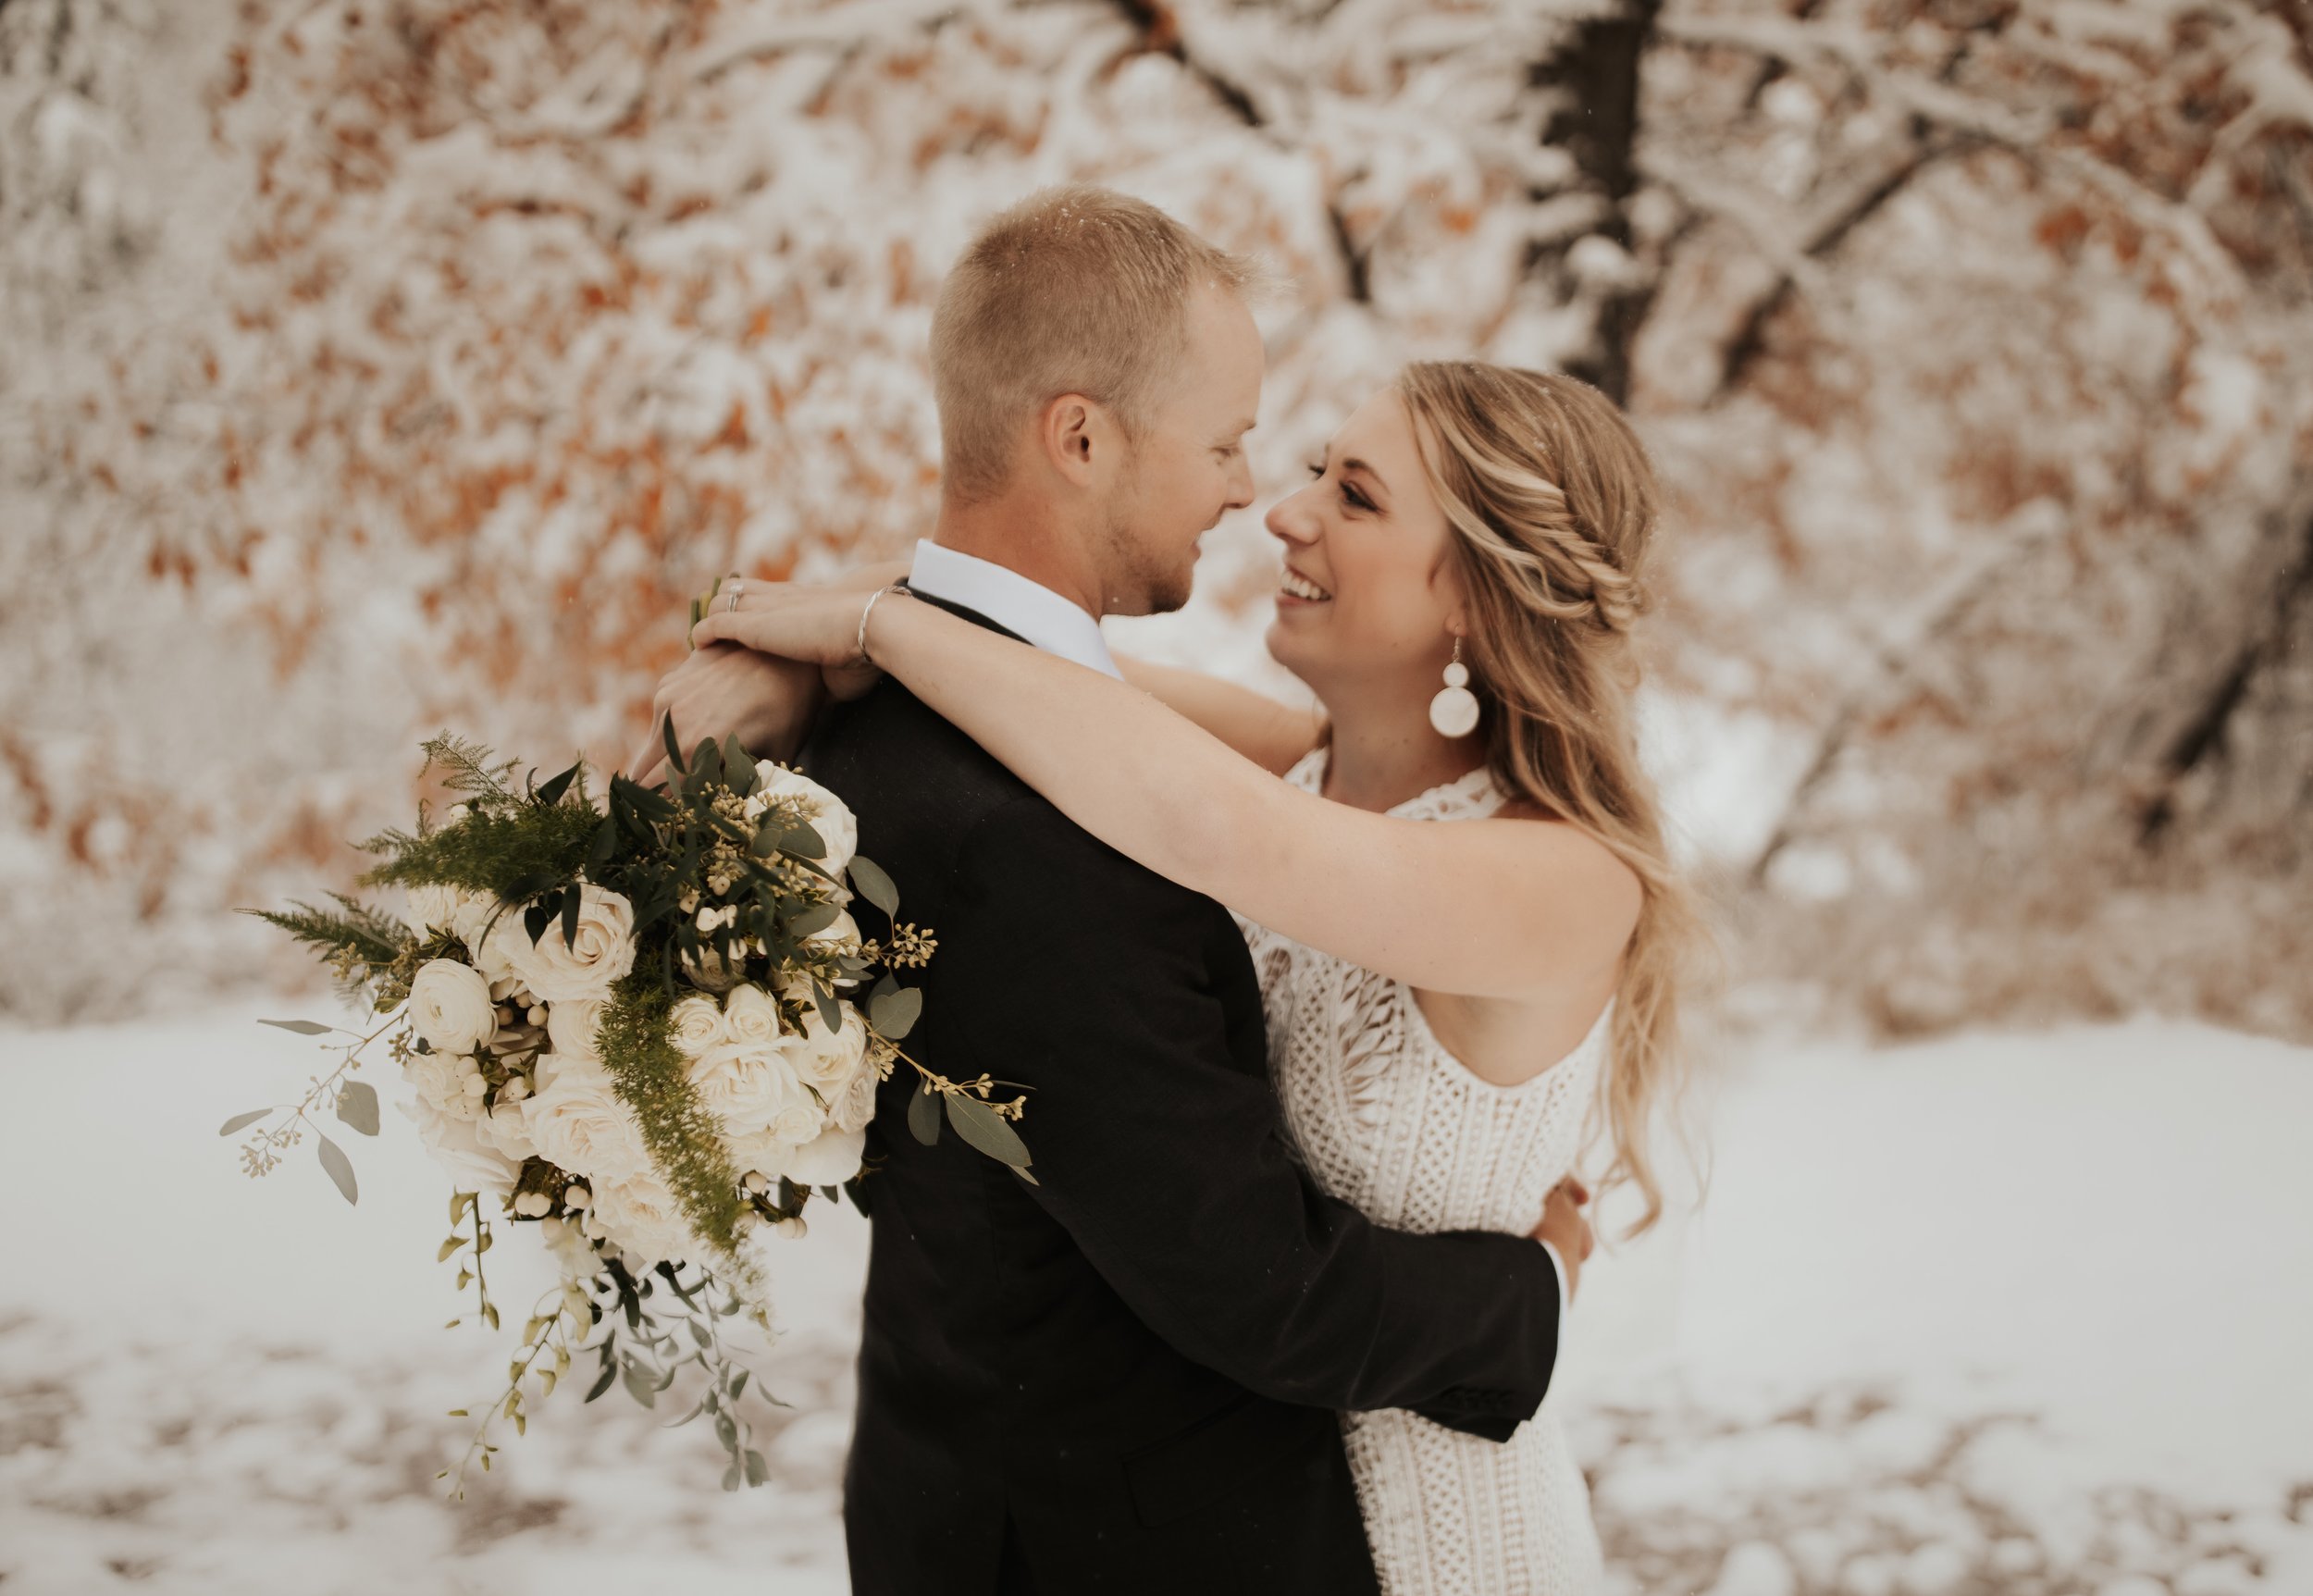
column 373, row 366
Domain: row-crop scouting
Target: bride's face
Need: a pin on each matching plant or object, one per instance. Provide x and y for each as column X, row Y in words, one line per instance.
column 1366, row 598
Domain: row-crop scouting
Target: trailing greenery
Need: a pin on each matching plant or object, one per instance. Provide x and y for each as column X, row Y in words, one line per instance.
column 654, row 1079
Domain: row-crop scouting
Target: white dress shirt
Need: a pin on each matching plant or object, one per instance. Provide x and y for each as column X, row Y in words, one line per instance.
column 1056, row 625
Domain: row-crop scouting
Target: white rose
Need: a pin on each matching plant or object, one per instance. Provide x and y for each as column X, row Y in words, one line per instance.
column 494, row 956
column 857, row 1106
column 458, row 1148
column 450, row 1007
column 696, row 1025
column 829, row 1160
column 835, row 823
column 760, row 1153
column 432, row 906
column 642, row 1217
column 831, row 1059
column 798, row 1123
column 747, row 1087
column 600, row 952
column 570, row 1026
column 577, row 1123
column 751, row 1015
column 503, row 1130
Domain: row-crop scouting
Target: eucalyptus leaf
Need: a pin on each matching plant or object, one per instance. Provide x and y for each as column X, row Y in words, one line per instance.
column 696, row 1409
column 758, row 1471
column 639, row 1385
column 894, row 1013
column 605, row 843
column 241, row 1121
column 874, row 885
column 303, row 1027
column 673, row 749
column 339, row 1167
column 829, row 1013
column 803, row 841
column 731, row 1477
column 357, row 1106
column 535, row 920
column 602, row 1380
column 924, row 1115
column 812, row 920
column 572, row 901
column 738, row 766
column 986, row 1130
column 726, row 1432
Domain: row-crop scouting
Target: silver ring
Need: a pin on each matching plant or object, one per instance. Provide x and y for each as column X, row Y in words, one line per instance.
column 736, row 583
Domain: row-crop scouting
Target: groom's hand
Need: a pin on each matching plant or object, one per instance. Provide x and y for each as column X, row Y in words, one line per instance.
column 1567, row 1229
column 724, row 690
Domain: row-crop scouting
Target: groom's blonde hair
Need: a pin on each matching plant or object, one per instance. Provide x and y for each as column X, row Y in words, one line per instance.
column 1074, row 289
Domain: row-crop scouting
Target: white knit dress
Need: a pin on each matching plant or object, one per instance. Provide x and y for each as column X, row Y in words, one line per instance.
column 1387, row 1121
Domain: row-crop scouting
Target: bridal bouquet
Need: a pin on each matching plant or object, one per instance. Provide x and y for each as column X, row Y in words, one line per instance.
column 646, row 1033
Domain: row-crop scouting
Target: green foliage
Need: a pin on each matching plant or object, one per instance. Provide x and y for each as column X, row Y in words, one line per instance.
column 514, row 851
column 654, row 1079
column 375, row 938
column 469, row 769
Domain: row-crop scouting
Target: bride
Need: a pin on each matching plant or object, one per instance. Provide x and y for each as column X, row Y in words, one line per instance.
column 1468, row 934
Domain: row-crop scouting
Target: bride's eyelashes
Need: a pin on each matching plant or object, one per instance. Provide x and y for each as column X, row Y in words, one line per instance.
column 1351, row 497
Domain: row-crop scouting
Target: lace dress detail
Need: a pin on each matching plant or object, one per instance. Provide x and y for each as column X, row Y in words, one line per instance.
column 1387, row 1120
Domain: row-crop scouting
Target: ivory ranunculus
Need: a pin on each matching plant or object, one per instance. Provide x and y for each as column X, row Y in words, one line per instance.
column 577, row 1123
column 747, row 1087
column 644, row 1219
column 457, row 1147
column 599, row 953
column 696, row 1025
column 828, row 1160
column 835, row 823
column 450, row 1007
column 570, row 1027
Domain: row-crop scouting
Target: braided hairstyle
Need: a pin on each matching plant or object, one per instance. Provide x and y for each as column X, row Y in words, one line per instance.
column 1551, row 503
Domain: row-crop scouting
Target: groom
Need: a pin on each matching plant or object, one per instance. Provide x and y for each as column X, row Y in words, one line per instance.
column 1122, row 1378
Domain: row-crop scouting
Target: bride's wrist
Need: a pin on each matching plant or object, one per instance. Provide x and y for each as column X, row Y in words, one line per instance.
column 875, row 623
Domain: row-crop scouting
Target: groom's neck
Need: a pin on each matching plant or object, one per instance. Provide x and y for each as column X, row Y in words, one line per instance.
column 1023, row 534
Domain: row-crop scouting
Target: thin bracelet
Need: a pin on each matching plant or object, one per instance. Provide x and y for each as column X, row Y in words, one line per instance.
column 860, row 643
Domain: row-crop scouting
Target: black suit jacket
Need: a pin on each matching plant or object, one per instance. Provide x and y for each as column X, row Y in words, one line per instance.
column 1124, row 1378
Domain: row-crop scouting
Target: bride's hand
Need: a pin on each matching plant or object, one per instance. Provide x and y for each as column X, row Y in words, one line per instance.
column 816, row 625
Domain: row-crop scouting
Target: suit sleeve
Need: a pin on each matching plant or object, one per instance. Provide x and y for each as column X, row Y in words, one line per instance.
column 1086, row 978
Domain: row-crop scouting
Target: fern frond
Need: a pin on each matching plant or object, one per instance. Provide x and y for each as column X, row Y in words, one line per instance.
column 374, row 938
column 469, row 767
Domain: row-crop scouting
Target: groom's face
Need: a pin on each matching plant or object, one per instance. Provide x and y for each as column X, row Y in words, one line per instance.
column 1188, row 467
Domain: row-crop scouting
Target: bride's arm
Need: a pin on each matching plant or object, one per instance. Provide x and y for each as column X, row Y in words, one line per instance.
column 1511, row 908
column 1272, row 734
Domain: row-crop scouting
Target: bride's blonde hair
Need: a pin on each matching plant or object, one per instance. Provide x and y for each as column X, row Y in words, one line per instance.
column 1552, row 505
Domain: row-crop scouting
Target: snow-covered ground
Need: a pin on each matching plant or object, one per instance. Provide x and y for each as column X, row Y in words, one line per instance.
column 2008, row 1312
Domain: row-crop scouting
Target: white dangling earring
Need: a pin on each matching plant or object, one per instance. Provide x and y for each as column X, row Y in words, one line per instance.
column 1455, row 710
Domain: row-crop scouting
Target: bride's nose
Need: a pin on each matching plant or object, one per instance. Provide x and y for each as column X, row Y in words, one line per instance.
column 1292, row 519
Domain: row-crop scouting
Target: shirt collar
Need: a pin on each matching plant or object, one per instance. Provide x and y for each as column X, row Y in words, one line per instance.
column 1004, row 595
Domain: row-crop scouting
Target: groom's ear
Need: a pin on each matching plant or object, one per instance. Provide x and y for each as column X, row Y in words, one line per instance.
column 1077, row 439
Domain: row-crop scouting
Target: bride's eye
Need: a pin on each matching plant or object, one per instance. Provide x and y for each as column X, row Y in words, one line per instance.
column 1316, row 468
column 1353, row 499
